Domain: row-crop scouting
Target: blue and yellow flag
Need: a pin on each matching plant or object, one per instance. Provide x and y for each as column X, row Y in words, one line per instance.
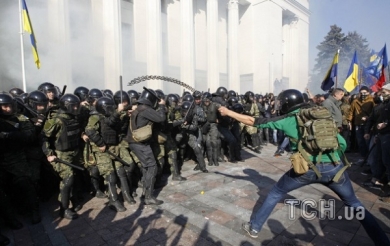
column 331, row 75
column 353, row 75
column 28, row 28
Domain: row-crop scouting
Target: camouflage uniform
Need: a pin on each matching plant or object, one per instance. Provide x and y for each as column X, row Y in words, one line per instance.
column 61, row 138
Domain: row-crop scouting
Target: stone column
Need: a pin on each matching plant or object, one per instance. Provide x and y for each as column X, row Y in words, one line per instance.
column 112, row 43
column 187, row 61
column 154, row 44
column 233, row 67
column 212, row 45
column 61, row 67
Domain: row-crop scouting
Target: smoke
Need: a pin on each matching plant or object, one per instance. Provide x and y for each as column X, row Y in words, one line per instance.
column 85, row 58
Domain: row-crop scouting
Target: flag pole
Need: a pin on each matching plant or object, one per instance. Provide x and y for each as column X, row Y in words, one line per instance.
column 21, row 46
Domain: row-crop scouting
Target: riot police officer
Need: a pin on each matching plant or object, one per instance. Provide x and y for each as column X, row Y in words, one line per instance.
column 140, row 135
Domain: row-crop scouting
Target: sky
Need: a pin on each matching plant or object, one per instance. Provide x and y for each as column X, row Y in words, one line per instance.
column 369, row 18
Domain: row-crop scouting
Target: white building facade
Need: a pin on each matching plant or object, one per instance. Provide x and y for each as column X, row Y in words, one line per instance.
column 256, row 45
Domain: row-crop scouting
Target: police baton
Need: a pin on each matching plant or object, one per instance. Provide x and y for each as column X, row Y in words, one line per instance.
column 154, row 94
column 69, row 164
column 117, row 158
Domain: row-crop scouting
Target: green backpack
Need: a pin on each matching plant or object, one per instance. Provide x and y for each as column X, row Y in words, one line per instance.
column 318, row 136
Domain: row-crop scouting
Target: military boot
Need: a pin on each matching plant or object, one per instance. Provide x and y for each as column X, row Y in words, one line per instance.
column 98, row 193
column 172, row 157
column 114, row 202
column 149, row 198
column 65, row 211
column 125, row 186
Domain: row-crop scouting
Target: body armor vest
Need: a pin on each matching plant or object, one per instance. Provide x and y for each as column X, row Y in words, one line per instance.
column 70, row 135
column 109, row 134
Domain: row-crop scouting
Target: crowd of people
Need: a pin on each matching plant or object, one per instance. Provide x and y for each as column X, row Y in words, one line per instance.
column 98, row 141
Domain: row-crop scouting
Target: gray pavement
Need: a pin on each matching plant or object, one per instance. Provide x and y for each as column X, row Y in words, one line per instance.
column 208, row 209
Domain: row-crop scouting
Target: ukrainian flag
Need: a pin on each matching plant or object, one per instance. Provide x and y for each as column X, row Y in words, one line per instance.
column 353, row 75
column 28, row 28
column 331, row 75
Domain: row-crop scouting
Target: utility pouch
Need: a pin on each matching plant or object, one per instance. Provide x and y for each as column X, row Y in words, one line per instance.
column 298, row 163
column 161, row 138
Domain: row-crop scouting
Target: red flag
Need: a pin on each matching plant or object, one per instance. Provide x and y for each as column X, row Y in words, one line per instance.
column 380, row 82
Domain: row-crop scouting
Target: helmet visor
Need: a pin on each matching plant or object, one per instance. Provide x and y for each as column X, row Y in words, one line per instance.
column 73, row 108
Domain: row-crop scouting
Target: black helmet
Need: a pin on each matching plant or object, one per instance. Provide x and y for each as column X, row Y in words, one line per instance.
column 160, row 94
column 249, row 96
column 149, row 97
column 207, row 96
column 133, row 96
column 305, row 97
column 232, row 101
column 186, row 93
column 222, row 92
column 125, row 97
column 93, row 95
column 22, row 96
column 184, row 108
column 197, row 95
column 172, row 100
column 105, row 106
column 188, row 98
column 108, row 92
column 38, row 98
column 232, row 93
column 289, row 100
column 238, row 108
column 82, row 93
column 70, row 104
column 7, row 98
column 47, row 88
column 16, row 92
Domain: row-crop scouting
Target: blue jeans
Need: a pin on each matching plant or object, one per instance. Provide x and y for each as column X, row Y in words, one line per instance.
column 361, row 141
column 343, row 188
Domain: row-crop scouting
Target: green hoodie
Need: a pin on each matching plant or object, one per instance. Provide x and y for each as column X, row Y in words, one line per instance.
column 289, row 126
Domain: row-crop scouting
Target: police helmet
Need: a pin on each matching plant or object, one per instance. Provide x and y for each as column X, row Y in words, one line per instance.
column 23, row 97
column 38, row 101
column 197, row 95
column 16, row 92
column 232, row 93
column 249, row 96
column 51, row 91
column 108, row 92
column 93, row 95
column 222, row 92
column 160, row 94
column 6, row 99
column 188, row 98
column 289, row 100
column 105, row 106
column 184, row 108
column 82, row 93
column 134, row 96
column 172, row 100
column 124, row 97
column 149, row 97
column 70, row 104
column 238, row 108
column 232, row 101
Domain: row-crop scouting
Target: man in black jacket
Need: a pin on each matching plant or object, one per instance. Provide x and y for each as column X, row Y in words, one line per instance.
column 145, row 114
